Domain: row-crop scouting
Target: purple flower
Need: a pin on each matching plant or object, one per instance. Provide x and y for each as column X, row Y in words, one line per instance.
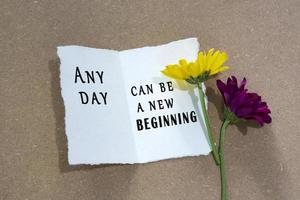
column 241, row 104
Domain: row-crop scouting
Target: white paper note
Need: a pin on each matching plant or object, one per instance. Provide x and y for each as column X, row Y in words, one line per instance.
column 119, row 107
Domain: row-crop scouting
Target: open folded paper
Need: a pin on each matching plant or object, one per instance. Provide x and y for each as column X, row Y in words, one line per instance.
column 119, row 108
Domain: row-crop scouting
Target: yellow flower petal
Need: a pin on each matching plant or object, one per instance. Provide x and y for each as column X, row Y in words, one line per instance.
column 214, row 58
column 200, row 62
column 210, row 52
column 175, row 71
column 183, row 62
column 221, row 69
column 211, row 62
column 194, row 70
column 224, row 68
column 221, row 60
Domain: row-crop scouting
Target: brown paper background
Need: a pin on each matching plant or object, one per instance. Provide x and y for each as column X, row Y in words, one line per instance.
column 263, row 41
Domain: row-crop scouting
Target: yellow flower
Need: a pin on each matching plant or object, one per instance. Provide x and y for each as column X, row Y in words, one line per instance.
column 201, row 69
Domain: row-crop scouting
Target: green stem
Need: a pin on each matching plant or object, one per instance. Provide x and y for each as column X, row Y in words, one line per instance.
column 222, row 164
column 209, row 132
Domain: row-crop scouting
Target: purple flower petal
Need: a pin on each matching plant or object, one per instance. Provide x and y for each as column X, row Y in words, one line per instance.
column 242, row 103
column 223, row 89
column 244, row 111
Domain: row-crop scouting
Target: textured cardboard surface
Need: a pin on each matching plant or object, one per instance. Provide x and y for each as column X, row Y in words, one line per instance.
column 262, row 39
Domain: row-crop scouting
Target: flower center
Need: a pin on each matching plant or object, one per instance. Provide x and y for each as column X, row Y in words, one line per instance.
column 231, row 116
column 201, row 78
